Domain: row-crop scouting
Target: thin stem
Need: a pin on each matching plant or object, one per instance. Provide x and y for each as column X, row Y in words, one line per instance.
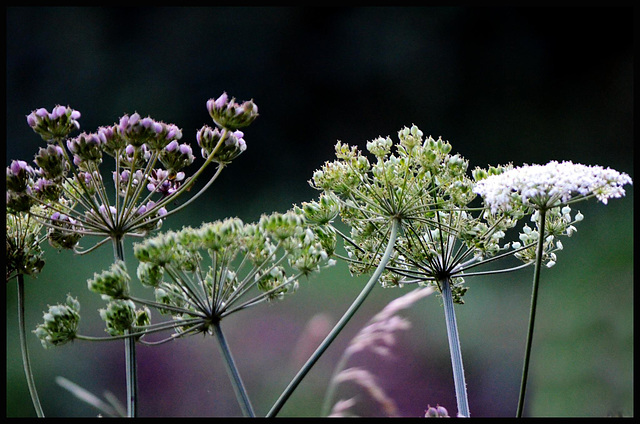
column 532, row 312
column 129, row 350
column 25, row 353
column 454, row 348
column 131, row 374
column 340, row 325
column 236, row 381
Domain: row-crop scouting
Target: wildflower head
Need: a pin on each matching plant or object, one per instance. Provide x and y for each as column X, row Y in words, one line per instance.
column 52, row 162
column 86, row 148
column 65, row 232
column 24, row 237
column 237, row 264
column 121, row 317
column 54, row 125
column 112, row 283
column 550, row 185
column 420, row 183
column 176, row 156
column 227, row 113
column 20, row 179
column 60, row 323
column 148, row 155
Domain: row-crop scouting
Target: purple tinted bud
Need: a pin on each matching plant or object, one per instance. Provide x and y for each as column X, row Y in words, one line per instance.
column 130, row 150
column 56, row 216
column 58, row 112
column 162, row 211
column 75, row 115
column 134, row 119
column 147, row 122
column 32, row 120
column 42, row 113
column 221, row 101
column 230, row 114
column 172, row 132
column 185, row 149
column 171, row 146
column 17, row 166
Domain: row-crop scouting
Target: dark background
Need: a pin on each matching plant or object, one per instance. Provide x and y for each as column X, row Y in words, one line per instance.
column 521, row 85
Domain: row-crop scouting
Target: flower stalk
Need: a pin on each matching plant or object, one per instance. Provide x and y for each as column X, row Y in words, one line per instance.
column 234, row 375
column 25, row 352
column 532, row 313
column 341, row 323
column 455, row 351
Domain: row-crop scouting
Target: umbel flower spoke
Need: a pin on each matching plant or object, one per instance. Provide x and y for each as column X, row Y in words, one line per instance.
column 547, row 190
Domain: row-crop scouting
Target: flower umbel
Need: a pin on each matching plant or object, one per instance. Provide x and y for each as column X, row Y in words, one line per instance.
column 545, row 186
column 547, row 190
column 240, row 258
column 148, row 172
column 60, row 323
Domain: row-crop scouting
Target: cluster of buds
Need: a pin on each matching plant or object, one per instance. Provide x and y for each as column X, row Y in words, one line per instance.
column 120, row 314
column 227, row 113
column 24, row 238
column 60, row 323
column 57, row 124
column 67, row 181
column 269, row 255
column 419, row 183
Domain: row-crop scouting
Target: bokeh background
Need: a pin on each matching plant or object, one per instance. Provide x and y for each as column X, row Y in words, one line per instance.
column 521, row 85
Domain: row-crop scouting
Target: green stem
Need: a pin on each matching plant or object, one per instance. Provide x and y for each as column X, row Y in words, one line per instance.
column 532, row 312
column 454, row 348
column 25, row 353
column 234, row 376
column 129, row 350
column 340, row 325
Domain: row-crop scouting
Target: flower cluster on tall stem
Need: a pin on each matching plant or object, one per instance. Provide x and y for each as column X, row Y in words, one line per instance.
column 420, row 185
column 201, row 275
column 24, row 257
column 149, row 164
column 546, row 191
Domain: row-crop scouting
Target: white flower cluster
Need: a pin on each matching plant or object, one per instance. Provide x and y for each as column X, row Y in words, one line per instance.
column 546, row 185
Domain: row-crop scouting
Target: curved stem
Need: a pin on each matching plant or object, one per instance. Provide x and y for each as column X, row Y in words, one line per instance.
column 340, row 325
column 25, row 353
column 236, row 381
column 532, row 312
column 454, row 348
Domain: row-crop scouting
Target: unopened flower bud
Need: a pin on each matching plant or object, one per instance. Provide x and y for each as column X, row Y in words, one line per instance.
column 66, row 231
column 60, row 324
column 231, row 148
column 437, row 412
column 52, row 162
column 57, row 124
column 112, row 283
column 119, row 316
column 176, row 156
column 86, row 147
column 231, row 115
